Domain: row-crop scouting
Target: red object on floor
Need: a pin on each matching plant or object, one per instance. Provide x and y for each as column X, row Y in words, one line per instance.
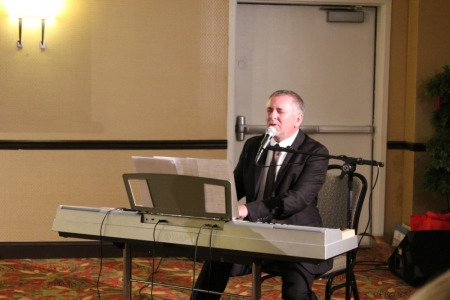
column 430, row 221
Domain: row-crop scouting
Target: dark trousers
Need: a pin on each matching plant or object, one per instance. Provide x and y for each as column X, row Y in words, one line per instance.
column 297, row 281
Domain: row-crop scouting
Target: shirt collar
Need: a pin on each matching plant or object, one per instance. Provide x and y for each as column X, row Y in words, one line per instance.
column 286, row 142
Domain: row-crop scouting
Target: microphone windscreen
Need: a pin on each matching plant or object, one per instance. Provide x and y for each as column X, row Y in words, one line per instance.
column 271, row 131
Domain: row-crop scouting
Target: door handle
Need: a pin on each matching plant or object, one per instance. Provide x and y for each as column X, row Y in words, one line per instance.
column 241, row 129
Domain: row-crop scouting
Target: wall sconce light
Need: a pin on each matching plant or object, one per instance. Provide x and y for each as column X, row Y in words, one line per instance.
column 42, row 9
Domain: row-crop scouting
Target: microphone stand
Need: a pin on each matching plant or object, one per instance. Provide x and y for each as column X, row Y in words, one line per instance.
column 348, row 168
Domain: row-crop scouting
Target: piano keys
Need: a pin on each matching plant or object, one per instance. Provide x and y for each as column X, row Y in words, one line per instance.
column 237, row 235
column 256, row 241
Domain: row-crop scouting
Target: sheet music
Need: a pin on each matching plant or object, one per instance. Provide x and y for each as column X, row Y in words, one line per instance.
column 154, row 165
column 214, row 195
column 151, row 165
column 183, row 166
column 215, row 198
column 213, row 168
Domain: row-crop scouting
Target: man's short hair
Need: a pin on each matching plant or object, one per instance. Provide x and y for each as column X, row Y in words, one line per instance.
column 297, row 99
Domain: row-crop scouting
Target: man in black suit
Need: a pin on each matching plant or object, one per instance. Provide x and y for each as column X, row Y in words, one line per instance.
column 293, row 199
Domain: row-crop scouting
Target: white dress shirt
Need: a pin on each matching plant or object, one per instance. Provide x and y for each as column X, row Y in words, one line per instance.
column 283, row 144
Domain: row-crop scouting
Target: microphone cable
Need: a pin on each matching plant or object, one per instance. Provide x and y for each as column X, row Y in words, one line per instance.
column 377, row 265
column 369, row 221
column 101, row 253
column 195, row 253
column 151, row 277
column 210, row 254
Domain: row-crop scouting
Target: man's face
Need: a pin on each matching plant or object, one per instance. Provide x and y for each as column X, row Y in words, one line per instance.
column 282, row 114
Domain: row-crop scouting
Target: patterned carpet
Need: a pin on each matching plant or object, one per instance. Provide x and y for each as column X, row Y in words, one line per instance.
column 48, row 279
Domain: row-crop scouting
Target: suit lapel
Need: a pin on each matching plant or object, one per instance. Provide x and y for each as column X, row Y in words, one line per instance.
column 287, row 160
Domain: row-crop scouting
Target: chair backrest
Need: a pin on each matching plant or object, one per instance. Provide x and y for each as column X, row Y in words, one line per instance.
column 333, row 197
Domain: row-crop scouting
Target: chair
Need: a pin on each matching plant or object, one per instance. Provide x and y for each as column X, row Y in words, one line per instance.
column 333, row 207
column 333, row 200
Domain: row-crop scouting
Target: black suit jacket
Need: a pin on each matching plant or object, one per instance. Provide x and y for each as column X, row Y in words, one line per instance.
column 298, row 182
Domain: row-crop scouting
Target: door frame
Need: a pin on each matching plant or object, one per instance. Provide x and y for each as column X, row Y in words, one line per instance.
column 381, row 89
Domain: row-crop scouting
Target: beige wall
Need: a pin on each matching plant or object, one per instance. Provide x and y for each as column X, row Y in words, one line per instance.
column 420, row 43
column 112, row 70
column 396, row 114
column 157, row 70
column 117, row 69
column 35, row 182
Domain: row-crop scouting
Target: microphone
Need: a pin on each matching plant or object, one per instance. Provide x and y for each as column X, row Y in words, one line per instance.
column 270, row 132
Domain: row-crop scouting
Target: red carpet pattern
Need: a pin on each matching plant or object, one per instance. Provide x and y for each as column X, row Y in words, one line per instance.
column 48, row 279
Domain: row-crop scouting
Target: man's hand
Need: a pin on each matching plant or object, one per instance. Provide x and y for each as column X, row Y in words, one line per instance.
column 243, row 212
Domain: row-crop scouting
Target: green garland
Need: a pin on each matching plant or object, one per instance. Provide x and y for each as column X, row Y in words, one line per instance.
column 437, row 175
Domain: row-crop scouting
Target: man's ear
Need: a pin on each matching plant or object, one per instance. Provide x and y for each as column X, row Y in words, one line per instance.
column 299, row 120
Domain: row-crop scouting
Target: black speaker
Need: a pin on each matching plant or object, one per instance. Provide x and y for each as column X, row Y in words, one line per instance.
column 421, row 256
